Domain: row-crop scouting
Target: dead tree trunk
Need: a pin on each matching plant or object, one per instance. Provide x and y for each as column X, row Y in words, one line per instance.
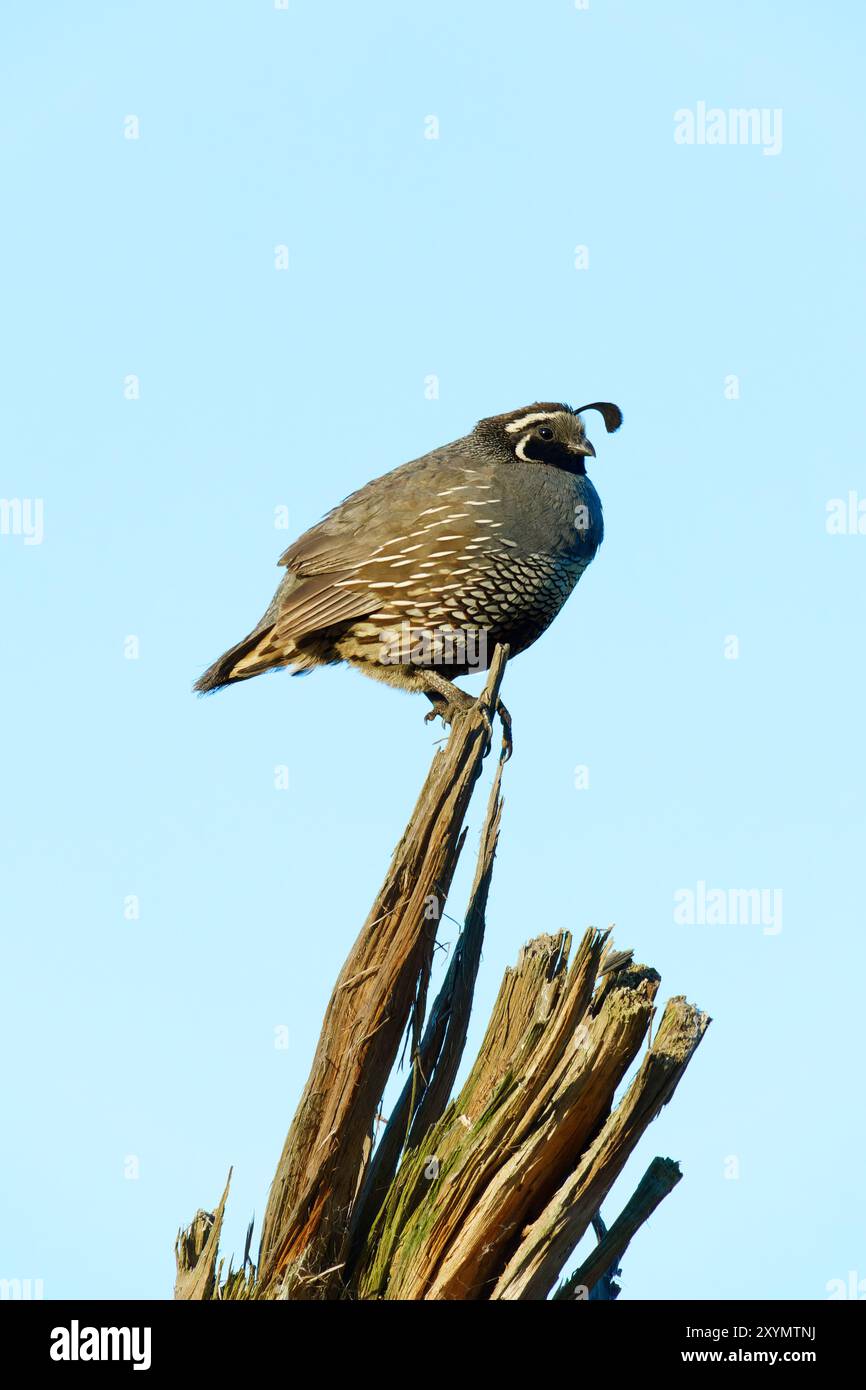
column 487, row 1195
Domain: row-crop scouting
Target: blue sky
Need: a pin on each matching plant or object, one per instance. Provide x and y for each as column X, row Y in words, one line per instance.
column 144, row 1056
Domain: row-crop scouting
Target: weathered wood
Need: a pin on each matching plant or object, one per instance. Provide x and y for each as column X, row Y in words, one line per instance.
column 484, row 1196
column 435, row 1063
column 540, row 1092
column 195, row 1252
column 545, row 1247
column 659, row 1179
column 305, row 1224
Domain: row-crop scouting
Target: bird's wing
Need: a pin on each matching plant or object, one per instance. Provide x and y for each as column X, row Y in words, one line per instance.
column 382, row 507
column 362, row 553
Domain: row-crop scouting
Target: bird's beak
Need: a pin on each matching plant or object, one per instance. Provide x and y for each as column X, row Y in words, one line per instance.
column 584, row 448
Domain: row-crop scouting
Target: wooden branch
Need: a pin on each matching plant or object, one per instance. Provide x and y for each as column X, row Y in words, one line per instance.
column 540, row 1091
column 435, row 1064
column 659, row 1179
column 195, row 1252
column 544, row 1248
column 305, row 1223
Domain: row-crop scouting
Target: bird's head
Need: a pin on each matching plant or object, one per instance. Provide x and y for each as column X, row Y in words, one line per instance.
column 547, row 433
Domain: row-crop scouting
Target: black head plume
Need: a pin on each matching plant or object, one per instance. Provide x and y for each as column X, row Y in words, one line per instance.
column 610, row 413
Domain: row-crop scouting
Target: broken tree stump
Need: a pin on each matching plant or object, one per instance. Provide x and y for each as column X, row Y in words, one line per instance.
column 485, row 1195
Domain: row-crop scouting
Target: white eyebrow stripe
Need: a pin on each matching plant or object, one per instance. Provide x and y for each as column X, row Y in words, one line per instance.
column 531, row 419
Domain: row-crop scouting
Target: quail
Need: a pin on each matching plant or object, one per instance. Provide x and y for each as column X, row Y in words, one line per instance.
column 415, row 578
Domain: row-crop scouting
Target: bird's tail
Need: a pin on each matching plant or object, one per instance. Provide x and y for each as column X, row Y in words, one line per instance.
column 249, row 657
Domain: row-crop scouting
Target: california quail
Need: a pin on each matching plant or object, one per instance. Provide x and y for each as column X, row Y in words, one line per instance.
column 415, row 578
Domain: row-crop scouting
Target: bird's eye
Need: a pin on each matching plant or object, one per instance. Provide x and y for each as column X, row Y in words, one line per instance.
column 545, row 432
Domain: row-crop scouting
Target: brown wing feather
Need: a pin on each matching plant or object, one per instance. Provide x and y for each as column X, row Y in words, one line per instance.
column 338, row 574
column 332, row 566
column 314, row 603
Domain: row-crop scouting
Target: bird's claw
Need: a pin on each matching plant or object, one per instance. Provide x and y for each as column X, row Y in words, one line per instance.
column 507, row 740
column 449, row 712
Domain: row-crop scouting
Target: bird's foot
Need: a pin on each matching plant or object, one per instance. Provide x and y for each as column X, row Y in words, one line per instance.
column 449, row 707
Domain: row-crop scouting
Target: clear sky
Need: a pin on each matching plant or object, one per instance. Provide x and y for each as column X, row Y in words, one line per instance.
column 708, row 671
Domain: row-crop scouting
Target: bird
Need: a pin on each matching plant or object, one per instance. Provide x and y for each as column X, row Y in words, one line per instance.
column 415, row 578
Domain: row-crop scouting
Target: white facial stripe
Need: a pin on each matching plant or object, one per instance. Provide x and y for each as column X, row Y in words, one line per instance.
column 531, row 420
column 519, row 451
